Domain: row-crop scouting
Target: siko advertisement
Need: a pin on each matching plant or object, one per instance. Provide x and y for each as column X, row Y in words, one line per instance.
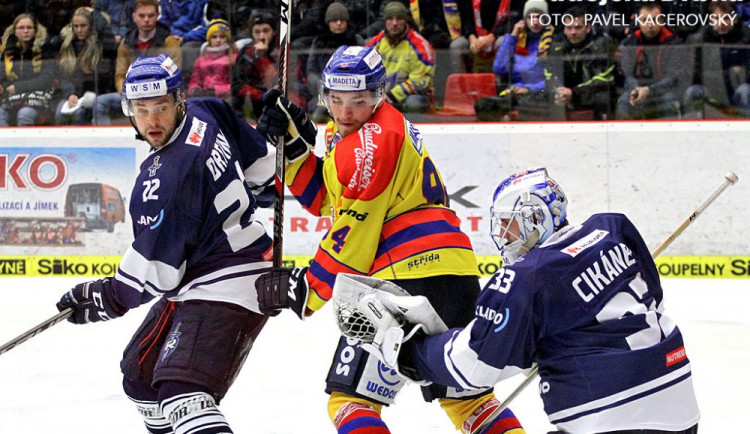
column 65, row 200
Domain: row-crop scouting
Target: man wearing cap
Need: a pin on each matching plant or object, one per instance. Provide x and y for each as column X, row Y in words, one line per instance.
column 337, row 33
column 409, row 61
column 255, row 70
column 148, row 38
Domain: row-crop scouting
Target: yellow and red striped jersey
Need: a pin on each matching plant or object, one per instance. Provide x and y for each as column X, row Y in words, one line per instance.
column 389, row 207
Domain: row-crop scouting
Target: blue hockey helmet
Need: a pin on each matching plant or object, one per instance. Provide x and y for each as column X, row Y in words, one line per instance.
column 354, row 69
column 151, row 77
column 527, row 208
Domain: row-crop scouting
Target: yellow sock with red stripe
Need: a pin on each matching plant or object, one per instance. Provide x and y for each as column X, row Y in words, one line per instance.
column 468, row 414
column 504, row 423
column 352, row 415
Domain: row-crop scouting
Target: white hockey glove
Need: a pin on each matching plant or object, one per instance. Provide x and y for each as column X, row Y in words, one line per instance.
column 376, row 312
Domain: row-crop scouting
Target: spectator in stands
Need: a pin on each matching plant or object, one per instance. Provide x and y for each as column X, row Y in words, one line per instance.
column 482, row 24
column 428, row 18
column 187, row 22
column 27, row 73
column 721, row 53
column 653, row 65
column 337, row 33
column 212, row 70
column 86, row 66
column 148, row 38
column 255, row 70
column 518, row 67
column 409, row 61
column 56, row 14
column 579, row 70
column 120, row 16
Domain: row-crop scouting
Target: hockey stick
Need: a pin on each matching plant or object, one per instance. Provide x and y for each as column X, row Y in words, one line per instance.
column 285, row 26
column 60, row 317
column 729, row 179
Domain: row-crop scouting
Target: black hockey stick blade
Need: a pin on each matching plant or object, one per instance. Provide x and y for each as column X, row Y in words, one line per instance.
column 60, row 317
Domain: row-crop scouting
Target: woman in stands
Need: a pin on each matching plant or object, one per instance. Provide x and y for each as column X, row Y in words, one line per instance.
column 26, row 73
column 85, row 66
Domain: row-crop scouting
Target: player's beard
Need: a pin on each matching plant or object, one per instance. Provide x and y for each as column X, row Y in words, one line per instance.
column 164, row 135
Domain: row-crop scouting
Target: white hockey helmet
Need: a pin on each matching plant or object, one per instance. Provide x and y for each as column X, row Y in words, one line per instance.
column 527, row 208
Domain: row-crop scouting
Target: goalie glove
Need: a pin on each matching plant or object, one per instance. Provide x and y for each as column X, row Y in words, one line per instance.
column 91, row 302
column 283, row 288
column 281, row 118
column 379, row 313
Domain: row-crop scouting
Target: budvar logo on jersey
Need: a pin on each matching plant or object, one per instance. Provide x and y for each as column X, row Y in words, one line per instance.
column 364, row 157
column 148, row 89
column 197, row 131
column 584, row 243
column 348, row 82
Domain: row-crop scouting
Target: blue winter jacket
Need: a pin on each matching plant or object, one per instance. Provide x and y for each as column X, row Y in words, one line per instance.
column 185, row 18
column 525, row 70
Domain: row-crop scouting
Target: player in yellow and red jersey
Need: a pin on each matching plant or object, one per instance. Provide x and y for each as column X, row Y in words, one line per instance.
column 390, row 220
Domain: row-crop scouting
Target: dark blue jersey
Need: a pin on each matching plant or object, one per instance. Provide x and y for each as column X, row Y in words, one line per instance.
column 586, row 306
column 193, row 208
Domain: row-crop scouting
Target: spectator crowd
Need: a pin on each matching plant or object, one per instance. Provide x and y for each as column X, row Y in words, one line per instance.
column 64, row 61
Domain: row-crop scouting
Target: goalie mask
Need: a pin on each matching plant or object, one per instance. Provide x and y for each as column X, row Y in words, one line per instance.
column 354, row 69
column 527, row 208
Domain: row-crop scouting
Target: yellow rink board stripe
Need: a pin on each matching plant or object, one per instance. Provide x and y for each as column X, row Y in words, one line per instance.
column 692, row 267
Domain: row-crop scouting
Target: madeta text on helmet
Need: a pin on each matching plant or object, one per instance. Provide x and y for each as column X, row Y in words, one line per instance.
column 668, row 20
column 604, row 2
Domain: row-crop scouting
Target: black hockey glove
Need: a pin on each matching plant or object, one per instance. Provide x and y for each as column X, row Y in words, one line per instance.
column 91, row 302
column 282, row 118
column 283, row 288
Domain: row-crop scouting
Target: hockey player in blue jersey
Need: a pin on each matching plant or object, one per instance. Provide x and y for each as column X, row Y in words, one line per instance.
column 198, row 249
column 584, row 302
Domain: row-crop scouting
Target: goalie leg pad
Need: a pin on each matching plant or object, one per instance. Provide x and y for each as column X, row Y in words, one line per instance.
column 357, row 373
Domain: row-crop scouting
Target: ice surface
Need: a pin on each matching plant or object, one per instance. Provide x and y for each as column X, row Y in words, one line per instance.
column 67, row 379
